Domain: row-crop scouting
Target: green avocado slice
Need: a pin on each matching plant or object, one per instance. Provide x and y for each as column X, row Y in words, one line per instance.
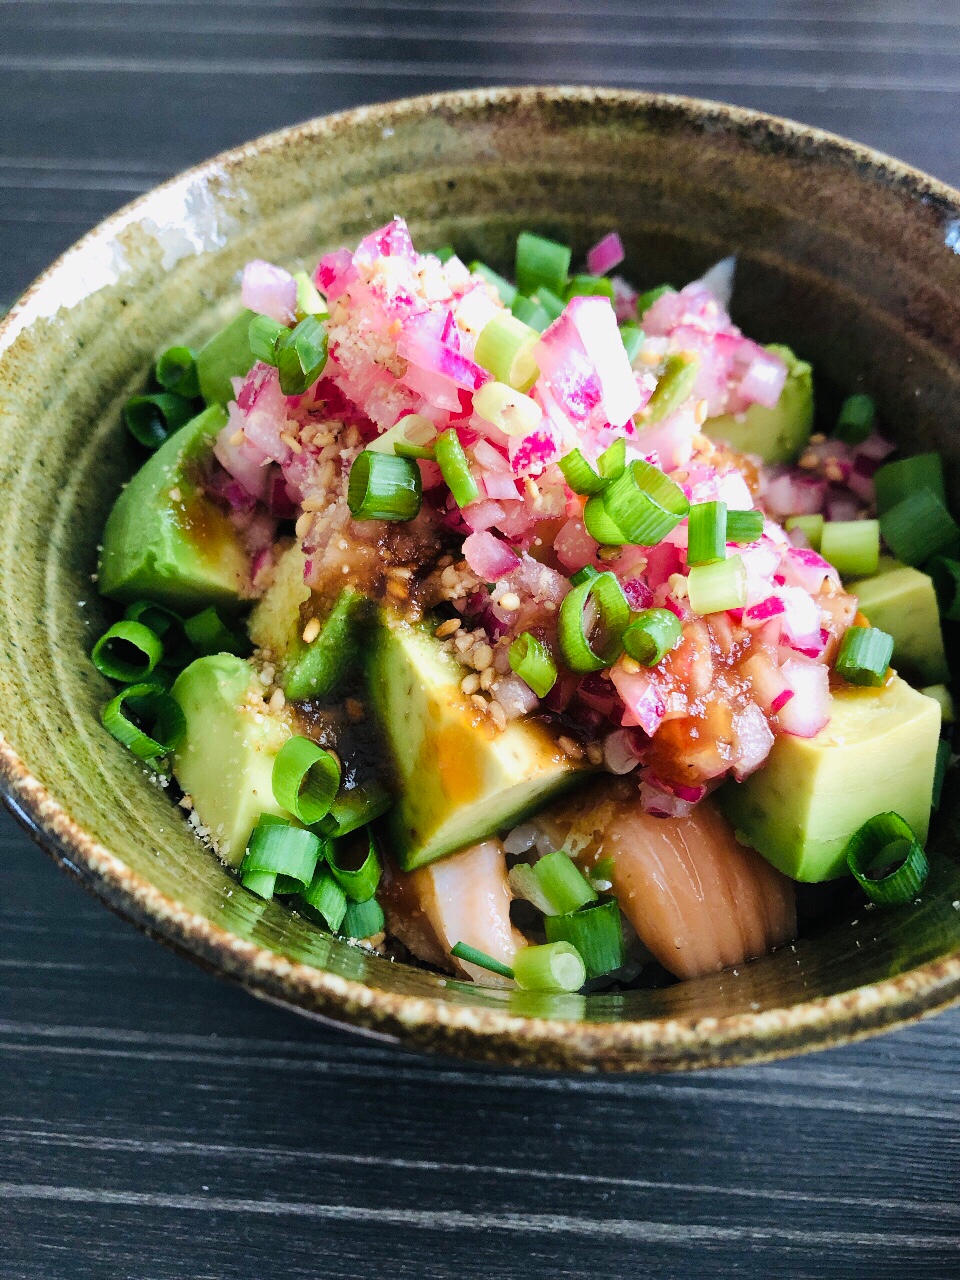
column 902, row 601
column 459, row 779
column 776, row 434
column 225, row 760
column 877, row 755
column 165, row 539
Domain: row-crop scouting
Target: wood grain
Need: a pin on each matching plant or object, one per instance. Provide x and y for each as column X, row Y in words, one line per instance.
column 155, row 1122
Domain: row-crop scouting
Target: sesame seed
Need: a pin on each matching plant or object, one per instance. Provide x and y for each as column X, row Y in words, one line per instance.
column 570, row 748
column 497, row 715
column 482, row 657
column 480, row 702
column 595, row 753
column 311, row 631
column 238, row 437
column 292, row 441
column 447, row 628
column 509, row 601
column 470, row 684
column 277, row 700
column 303, row 524
column 487, row 677
column 397, row 590
column 175, row 495
column 630, row 666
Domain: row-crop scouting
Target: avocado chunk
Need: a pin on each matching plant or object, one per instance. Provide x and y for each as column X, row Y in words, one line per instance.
column 165, row 539
column 877, row 754
column 460, row 780
column 314, row 669
column 224, row 356
column 776, row 434
column 225, row 760
column 902, row 602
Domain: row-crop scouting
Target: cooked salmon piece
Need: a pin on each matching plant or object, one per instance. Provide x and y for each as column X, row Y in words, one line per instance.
column 462, row 898
column 699, row 900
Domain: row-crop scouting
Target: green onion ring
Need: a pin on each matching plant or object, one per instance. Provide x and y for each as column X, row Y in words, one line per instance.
column 887, row 838
column 614, row 614
column 147, row 702
column 137, row 637
column 305, row 779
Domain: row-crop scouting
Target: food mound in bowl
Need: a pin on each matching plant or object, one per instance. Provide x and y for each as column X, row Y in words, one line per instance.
column 526, row 630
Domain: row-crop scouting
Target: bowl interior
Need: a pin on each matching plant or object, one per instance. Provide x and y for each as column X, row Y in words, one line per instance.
column 850, row 260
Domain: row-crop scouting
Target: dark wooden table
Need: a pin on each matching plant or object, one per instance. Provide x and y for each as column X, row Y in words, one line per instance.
column 155, row 1122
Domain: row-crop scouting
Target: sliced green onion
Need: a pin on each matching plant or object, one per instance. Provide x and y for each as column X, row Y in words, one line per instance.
column 541, row 262
column 604, row 593
column 151, row 705
column 596, row 933
column 503, row 287
column 505, row 348
column 362, row 919
column 707, row 533
column 225, row 356
column 864, row 656
column 384, row 487
column 583, row 575
column 514, row 413
column 674, row 386
column 552, row 304
column 940, row 770
column 613, row 461
column 305, row 779
column 361, row 884
column 355, row 808
column 601, row 874
column 153, row 419
column 651, row 635
column 941, row 695
column 473, row 955
column 946, row 582
column 209, row 634
column 262, row 883
column 310, row 301
column 530, row 312
column 277, row 848
column 857, row 416
column 326, row 897
column 597, row 522
column 524, row 884
column 532, row 661
column 852, row 546
column 810, row 526
column 176, row 370
column 302, row 356
column 556, row 966
column 646, row 300
column 645, row 504
column 562, row 883
column 265, row 334
column 445, row 253
column 744, row 526
column 633, row 337
column 884, row 839
column 410, row 437
column 155, row 616
column 128, row 651
column 585, row 286
column 579, row 474
column 713, row 588
column 455, row 468
column 919, row 527
column 895, row 481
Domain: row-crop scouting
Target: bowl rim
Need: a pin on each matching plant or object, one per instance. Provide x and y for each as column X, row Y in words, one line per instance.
column 425, row 1022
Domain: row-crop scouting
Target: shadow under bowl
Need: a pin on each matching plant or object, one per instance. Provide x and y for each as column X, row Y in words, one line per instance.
column 850, row 257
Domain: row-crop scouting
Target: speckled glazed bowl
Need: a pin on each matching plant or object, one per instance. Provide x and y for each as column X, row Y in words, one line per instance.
column 850, row 257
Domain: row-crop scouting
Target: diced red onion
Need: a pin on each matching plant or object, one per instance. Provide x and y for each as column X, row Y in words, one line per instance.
column 807, row 713
column 753, row 741
column 875, row 446
column 764, row 379
column 490, row 458
column 269, row 290
column 489, row 557
column 644, row 705
column 781, row 700
column 515, row 696
column 245, row 461
column 620, row 754
column 605, row 255
column 497, row 485
column 768, row 608
column 335, row 273
column 624, row 300
column 574, row 546
column 482, row 515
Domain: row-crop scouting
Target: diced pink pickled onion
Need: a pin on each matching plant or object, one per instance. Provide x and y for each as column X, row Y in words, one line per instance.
column 482, row 515
column 269, row 290
column 490, row 458
column 764, row 379
column 781, row 700
column 391, row 241
column 596, row 323
column 639, row 596
column 801, row 567
column 875, row 446
column 605, row 255
column 806, row 714
column 488, row 557
column 574, row 546
column 768, row 684
column 244, row 461
column 624, row 300
column 642, row 699
column 335, row 273
column 497, row 485
column 768, row 608
column 515, row 696
column 790, row 494
column 662, row 804
column 801, row 620
column 753, row 740
column 267, row 416
column 841, row 506
column 620, row 752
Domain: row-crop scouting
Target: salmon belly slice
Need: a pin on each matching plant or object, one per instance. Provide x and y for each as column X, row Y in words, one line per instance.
column 699, row 901
column 461, row 898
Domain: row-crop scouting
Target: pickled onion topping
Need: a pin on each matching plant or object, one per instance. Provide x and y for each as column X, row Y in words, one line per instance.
column 402, row 334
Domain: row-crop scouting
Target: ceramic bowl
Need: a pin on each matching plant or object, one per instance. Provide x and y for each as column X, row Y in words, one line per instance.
column 849, row 256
